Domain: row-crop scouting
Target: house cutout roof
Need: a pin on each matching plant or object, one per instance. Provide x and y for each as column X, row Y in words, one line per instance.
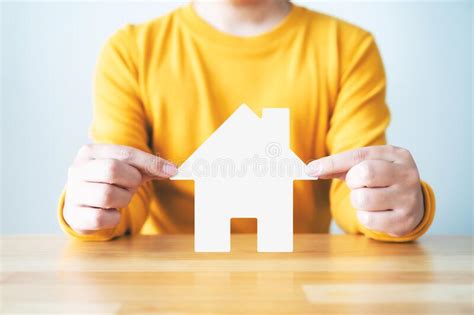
column 246, row 146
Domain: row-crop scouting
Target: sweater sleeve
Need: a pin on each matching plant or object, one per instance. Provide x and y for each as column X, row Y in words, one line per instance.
column 360, row 117
column 119, row 118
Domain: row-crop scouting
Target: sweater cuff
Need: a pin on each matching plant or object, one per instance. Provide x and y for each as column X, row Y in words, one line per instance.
column 429, row 202
column 101, row 235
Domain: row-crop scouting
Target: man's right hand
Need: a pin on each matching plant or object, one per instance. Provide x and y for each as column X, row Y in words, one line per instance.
column 102, row 179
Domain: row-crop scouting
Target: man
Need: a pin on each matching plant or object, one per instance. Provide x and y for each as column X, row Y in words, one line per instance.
column 164, row 86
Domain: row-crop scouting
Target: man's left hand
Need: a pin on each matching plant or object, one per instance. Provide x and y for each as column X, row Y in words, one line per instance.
column 385, row 186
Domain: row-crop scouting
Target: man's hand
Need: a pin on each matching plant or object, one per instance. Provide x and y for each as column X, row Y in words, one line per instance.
column 385, row 186
column 104, row 177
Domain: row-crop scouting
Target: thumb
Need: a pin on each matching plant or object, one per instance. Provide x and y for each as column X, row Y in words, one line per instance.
column 151, row 166
column 158, row 168
column 315, row 169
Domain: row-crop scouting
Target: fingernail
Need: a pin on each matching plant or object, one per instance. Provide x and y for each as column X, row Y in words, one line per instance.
column 170, row 169
column 314, row 168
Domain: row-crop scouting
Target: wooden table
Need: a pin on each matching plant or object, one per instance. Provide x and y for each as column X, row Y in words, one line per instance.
column 162, row 275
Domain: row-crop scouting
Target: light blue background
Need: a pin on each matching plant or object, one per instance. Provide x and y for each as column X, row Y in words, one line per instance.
column 49, row 51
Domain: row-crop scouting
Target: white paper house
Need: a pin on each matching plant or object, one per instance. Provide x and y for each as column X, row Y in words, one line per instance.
column 245, row 169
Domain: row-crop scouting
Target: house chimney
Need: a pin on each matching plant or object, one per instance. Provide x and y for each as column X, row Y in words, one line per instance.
column 277, row 122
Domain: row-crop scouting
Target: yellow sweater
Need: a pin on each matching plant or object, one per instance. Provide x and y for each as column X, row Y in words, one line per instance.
column 166, row 85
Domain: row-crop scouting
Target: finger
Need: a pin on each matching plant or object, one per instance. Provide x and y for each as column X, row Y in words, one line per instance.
column 392, row 222
column 98, row 195
column 373, row 173
column 85, row 219
column 107, row 171
column 373, row 199
column 149, row 164
column 343, row 162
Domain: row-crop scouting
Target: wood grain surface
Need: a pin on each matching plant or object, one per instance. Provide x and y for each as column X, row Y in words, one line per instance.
column 162, row 275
